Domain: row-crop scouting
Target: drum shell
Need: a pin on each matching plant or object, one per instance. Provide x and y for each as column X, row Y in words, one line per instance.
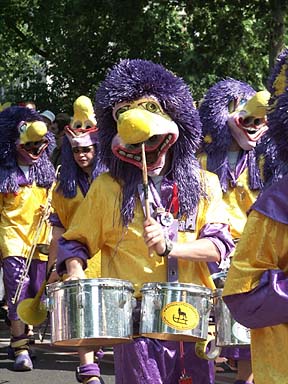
column 229, row 333
column 157, row 297
column 90, row 312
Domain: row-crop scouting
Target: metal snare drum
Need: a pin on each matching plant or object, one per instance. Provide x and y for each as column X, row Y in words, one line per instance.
column 90, row 312
column 229, row 333
column 175, row 311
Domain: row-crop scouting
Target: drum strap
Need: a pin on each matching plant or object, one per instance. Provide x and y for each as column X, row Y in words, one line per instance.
column 172, row 264
column 157, row 209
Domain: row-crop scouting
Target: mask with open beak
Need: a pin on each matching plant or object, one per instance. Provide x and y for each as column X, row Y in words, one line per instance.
column 82, row 132
column 24, row 140
column 143, row 121
column 232, row 110
column 83, row 120
column 32, row 141
column 142, row 102
column 248, row 122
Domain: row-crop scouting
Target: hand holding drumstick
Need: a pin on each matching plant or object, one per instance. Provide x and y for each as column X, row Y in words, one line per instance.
column 153, row 232
column 154, row 236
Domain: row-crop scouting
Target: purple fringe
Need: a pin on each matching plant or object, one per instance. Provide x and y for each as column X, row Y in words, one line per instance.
column 42, row 172
column 133, row 79
column 214, row 114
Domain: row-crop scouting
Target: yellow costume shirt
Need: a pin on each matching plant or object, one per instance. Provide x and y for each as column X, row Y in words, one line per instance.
column 98, row 225
column 251, row 260
column 20, row 217
column 237, row 200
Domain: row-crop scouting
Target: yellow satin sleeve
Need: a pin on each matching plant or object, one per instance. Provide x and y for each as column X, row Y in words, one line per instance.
column 66, row 209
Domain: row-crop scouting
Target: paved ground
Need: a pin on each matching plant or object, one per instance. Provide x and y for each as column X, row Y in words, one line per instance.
column 57, row 366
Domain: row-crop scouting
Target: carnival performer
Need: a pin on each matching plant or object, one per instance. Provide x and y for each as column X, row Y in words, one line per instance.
column 75, row 176
column 26, row 178
column 256, row 288
column 233, row 116
column 142, row 102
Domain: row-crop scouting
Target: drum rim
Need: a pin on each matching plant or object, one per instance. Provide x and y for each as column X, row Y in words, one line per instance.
column 102, row 282
column 176, row 286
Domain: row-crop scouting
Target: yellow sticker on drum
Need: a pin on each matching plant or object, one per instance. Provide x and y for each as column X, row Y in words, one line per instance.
column 181, row 316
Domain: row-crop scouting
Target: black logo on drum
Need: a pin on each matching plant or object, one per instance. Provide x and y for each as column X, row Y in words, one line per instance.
column 181, row 318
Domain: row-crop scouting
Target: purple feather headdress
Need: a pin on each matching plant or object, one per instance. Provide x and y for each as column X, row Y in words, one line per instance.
column 131, row 80
column 214, row 114
column 42, row 172
column 276, row 139
column 278, row 80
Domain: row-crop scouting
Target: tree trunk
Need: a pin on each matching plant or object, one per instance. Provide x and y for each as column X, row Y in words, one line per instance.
column 278, row 12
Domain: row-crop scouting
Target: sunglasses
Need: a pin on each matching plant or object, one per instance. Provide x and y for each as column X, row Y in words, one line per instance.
column 82, row 149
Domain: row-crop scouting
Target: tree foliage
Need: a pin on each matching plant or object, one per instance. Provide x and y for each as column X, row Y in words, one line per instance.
column 54, row 51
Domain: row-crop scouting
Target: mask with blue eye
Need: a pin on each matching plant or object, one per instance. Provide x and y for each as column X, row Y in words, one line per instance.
column 236, row 104
column 32, row 140
column 22, row 127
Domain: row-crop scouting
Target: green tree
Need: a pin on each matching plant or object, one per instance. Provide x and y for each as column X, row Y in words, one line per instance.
column 54, row 51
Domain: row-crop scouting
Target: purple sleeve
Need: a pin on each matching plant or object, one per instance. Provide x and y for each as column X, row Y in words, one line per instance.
column 55, row 221
column 220, row 235
column 70, row 249
column 266, row 305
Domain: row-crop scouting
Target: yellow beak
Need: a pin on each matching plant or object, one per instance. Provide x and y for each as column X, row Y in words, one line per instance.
column 35, row 132
column 138, row 125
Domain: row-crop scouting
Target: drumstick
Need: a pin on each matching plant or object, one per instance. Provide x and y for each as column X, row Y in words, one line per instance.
column 145, row 188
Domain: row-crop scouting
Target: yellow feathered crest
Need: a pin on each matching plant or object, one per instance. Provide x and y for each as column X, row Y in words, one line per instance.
column 5, row 105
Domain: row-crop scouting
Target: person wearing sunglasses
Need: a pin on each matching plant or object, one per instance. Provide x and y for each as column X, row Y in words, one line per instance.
column 76, row 173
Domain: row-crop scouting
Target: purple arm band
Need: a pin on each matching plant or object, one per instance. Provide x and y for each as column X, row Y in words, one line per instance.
column 220, row 235
column 266, row 305
column 55, row 221
column 69, row 250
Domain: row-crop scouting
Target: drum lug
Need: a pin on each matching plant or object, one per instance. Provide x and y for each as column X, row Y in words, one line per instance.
column 133, row 302
column 81, row 300
column 49, row 302
column 209, row 307
column 157, row 302
column 122, row 301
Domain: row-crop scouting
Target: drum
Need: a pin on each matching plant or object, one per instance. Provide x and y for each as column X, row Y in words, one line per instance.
column 175, row 311
column 90, row 312
column 229, row 333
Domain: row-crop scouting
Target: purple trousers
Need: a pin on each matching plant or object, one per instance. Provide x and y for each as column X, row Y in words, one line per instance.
column 152, row 361
column 13, row 267
column 242, row 353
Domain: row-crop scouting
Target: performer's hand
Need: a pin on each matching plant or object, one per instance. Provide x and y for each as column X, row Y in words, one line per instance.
column 74, row 269
column 45, row 211
column 51, row 274
column 154, row 236
column 53, row 278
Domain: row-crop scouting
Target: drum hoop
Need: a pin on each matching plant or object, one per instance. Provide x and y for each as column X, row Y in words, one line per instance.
column 100, row 282
column 173, row 286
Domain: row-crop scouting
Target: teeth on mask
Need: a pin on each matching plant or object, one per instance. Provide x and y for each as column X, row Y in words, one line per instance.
column 166, row 142
column 251, row 130
column 139, row 158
